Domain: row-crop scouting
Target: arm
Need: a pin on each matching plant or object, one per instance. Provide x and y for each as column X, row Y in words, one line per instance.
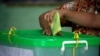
column 44, row 21
column 83, row 19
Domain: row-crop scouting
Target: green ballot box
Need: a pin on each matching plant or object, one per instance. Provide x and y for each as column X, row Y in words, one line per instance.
column 42, row 45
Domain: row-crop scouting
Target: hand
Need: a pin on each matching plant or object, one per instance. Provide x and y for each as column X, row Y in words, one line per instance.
column 47, row 32
column 49, row 16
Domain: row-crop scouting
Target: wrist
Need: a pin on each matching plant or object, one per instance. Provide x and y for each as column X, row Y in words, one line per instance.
column 61, row 12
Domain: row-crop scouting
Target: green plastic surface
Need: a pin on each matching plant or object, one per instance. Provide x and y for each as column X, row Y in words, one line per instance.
column 35, row 38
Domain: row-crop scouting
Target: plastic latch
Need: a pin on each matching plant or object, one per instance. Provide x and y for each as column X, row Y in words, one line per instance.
column 11, row 32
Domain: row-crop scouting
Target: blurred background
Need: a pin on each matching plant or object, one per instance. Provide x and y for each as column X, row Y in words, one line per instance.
column 24, row 14
column 34, row 1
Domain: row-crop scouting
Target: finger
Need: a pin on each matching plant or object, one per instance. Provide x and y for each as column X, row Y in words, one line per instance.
column 48, row 33
column 44, row 32
column 48, row 19
column 51, row 17
column 46, row 16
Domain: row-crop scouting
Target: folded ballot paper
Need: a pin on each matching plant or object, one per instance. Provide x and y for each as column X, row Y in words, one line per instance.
column 55, row 25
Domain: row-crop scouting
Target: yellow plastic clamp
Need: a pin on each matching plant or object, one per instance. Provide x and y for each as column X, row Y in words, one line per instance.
column 11, row 32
